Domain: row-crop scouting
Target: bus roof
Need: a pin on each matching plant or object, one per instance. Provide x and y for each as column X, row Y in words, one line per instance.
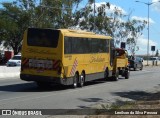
column 81, row 33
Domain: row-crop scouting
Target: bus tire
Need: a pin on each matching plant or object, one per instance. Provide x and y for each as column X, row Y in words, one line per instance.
column 116, row 76
column 75, row 80
column 127, row 74
column 81, row 80
column 106, row 75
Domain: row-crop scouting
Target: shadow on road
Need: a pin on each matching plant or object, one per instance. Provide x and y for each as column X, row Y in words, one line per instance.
column 29, row 87
column 32, row 86
column 91, row 99
column 140, row 95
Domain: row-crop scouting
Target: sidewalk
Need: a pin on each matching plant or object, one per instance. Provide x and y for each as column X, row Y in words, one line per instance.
column 151, row 63
column 9, row 72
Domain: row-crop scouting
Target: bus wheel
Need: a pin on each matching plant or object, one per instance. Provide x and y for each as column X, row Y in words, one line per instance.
column 106, row 74
column 81, row 80
column 127, row 74
column 75, row 80
column 116, row 76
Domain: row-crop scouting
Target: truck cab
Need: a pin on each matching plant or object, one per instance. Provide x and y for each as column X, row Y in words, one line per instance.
column 120, row 63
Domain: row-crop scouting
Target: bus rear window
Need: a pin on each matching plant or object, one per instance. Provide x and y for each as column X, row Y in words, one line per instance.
column 42, row 37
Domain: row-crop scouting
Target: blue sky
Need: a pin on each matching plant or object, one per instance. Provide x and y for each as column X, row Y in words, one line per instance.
column 139, row 10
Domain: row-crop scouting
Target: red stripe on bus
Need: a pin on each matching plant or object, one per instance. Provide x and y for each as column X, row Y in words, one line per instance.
column 56, row 64
column 24, row 61
column 73, row 70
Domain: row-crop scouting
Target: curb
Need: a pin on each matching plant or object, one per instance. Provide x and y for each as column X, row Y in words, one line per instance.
column 9, row 72
column 4, row 76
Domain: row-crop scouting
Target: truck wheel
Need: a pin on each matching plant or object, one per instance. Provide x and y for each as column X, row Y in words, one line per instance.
column 135, row 68
column 127, row 74
column 141, row 67
column 116, row 76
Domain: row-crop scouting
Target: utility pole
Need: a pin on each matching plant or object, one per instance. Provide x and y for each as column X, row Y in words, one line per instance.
column 94, row 16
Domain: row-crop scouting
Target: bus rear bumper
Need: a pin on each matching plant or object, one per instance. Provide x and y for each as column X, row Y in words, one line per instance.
column 54, row 80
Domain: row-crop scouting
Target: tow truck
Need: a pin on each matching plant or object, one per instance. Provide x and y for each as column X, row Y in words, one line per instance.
column 120, row 63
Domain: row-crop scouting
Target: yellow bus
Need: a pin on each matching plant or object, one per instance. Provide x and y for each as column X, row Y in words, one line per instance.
column 64, row 56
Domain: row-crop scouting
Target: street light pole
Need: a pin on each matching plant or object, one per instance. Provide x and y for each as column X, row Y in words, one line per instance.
column 148, row 37
column 94, row 15
column 149, row 3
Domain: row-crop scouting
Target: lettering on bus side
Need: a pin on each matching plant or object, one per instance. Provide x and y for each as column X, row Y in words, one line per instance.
column 96, row 59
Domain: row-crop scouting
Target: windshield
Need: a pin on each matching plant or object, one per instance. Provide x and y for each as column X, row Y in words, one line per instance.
column 42, row 37
column 16, row 58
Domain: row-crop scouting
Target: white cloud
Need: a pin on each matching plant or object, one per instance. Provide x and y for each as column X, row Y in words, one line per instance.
column 156, row 5
column 142, row 42
column 112, row 8
column 143, row 18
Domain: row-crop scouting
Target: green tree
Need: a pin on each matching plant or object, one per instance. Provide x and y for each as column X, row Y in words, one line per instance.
column 13, row 22
column 17, row 16
column 135, row 28
column 56, row 13
column 86, row 20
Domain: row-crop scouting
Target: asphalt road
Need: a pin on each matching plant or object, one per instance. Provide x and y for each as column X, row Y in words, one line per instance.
column 17, row 94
